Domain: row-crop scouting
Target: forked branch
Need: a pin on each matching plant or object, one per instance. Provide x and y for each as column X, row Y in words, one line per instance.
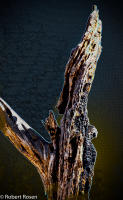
column 66, row 164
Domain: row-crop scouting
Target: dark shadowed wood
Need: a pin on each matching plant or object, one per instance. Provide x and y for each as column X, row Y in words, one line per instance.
column 66, row 164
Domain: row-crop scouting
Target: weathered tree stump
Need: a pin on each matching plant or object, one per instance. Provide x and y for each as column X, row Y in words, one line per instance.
column 66, row 164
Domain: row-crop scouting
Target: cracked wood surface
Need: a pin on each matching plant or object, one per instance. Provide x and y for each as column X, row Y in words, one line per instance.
column 77, row 155
column 66, row 164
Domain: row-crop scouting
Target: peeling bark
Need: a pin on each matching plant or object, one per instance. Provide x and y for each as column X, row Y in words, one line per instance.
column 66, row 164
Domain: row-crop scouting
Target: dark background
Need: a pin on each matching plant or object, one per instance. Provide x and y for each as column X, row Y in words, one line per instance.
column 36, row 38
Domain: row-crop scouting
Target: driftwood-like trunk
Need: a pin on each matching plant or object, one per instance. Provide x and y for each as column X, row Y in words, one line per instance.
column 65, row 164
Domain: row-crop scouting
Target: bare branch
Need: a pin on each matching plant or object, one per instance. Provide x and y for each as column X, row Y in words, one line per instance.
column 66, row 165
column 28, row 141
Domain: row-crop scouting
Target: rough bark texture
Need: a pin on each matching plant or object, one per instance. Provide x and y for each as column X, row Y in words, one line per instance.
column 66, row 164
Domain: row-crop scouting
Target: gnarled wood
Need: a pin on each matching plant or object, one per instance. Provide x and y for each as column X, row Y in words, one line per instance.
column 77, row 155
column 28, row 141
column 66, row 164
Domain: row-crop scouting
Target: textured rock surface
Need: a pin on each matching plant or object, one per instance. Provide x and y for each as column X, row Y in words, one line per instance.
column 66, row 164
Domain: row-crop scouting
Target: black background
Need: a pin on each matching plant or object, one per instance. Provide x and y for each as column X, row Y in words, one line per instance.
column 36, row 38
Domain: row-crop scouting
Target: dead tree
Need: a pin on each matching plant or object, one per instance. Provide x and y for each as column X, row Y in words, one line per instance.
column 66, row 164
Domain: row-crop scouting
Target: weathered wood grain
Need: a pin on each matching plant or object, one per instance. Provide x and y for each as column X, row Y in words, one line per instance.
column 77, row 155
column 66, row 164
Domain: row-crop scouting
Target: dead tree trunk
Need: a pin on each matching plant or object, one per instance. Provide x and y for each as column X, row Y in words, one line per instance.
column 65, row 164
